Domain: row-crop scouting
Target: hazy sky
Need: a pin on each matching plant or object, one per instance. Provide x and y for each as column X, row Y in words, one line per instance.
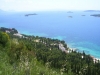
column 45, row 5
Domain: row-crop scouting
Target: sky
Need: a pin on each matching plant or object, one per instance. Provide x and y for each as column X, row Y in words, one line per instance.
column 49, row 5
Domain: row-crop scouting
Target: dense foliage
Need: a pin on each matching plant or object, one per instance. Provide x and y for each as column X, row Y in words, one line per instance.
column 33, row 55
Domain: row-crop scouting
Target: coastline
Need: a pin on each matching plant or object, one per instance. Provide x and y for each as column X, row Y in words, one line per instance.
column 95, row 59
column 72, row 45
column 81, row 50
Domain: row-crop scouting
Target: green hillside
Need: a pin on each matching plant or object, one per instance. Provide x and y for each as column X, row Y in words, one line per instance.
column 22, row 54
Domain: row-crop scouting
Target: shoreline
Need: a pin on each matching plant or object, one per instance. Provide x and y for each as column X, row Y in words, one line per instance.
column 70, row 45
column 80, row 51
column 95, row 59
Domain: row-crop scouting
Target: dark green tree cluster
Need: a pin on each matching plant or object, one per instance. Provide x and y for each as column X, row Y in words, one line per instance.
column 4, row 39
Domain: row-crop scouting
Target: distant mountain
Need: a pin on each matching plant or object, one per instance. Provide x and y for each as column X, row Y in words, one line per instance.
column 8, row 11
column 1, row 10
column 92, row 11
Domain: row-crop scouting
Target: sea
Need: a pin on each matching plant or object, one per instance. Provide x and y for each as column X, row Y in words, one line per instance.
column 77, row 28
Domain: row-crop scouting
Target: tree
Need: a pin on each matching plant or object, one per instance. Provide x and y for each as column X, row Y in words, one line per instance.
column 4, row 39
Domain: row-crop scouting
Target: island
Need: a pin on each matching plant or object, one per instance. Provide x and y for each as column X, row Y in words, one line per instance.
column 83, row 15
column 69, row 12
column 95, row 15
column 70, row 16
column 92, row 11
column 30, row 14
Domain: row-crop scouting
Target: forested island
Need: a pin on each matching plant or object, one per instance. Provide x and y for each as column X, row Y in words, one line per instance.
column 69, row 12
column 22, row 54
column 95, row 15
column 83, row 15
column 30, row 14
column 70, row 16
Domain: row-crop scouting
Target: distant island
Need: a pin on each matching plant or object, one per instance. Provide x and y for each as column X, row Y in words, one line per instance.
column 70, row 16
column 69, row 12
column 95, row 15
column 2, row 11
column 92, row 11
column 83, row 15
column 30, row 14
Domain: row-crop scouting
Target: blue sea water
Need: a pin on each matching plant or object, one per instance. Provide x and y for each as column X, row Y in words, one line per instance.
column 81, row 32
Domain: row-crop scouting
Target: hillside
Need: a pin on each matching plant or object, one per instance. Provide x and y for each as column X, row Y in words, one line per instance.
column 22, row 54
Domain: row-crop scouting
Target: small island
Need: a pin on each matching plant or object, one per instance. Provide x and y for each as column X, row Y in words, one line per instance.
column 83, row 15
column 69, row 12
column 70, row 16
column 30, row 14
column 95, row 15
